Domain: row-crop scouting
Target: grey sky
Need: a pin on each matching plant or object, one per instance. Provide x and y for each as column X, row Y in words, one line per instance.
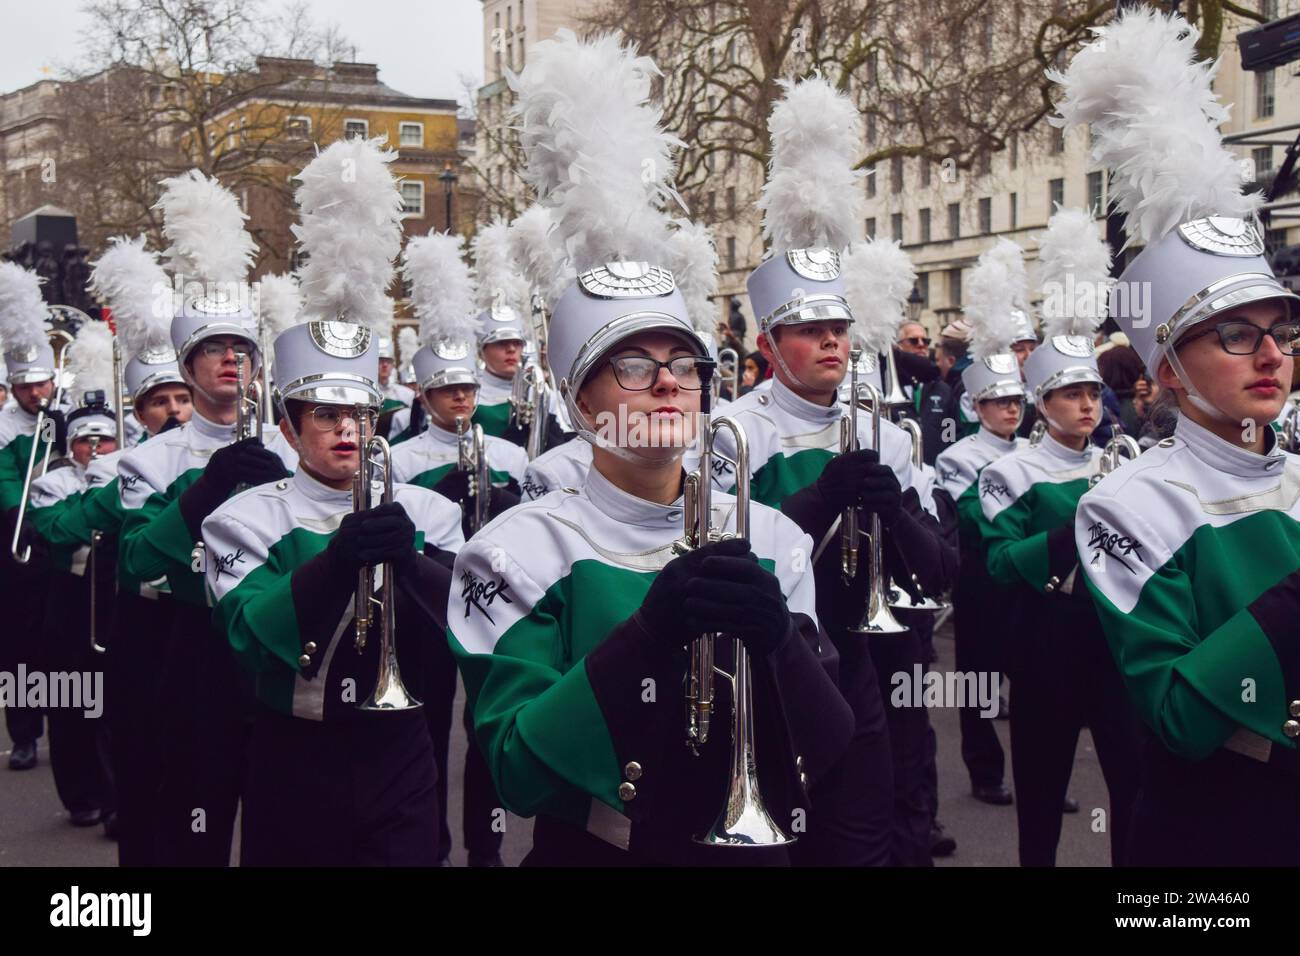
column 421, row 46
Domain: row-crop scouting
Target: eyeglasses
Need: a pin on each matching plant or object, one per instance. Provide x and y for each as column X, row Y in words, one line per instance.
column 215, row 350
column 327, row 418
column 1007, row 401
column 916, row 340
column 636, row 373
column 1239, row 337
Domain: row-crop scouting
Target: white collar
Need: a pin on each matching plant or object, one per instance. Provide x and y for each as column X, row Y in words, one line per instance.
column 627, row 508
column 996, row 442
column 318, row 491
column 437, row 435
column 1052, row 448
column 1227, row 457
column 210, row 429
column 788, row 401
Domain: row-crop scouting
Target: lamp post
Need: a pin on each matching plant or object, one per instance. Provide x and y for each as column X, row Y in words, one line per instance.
column 914, row 303
column 448, row 179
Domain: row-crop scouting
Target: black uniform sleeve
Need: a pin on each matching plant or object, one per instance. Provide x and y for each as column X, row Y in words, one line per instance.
column 916, row 545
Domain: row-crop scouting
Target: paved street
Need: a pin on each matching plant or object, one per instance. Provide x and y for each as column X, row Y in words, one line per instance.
column 34, row 830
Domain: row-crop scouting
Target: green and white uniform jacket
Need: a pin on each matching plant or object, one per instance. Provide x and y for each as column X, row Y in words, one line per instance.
column 55, row 514
column 426, row 459
column 17, row 429
column 493, row 410
column 284, row 614
column 959, row 467
column 564, row 466
column 1176, row 545
column 577, row 707
column 155, row 541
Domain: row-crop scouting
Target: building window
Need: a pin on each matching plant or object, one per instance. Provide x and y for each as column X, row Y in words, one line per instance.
column 986, row 215
column 983, row 164
column 871, row 180
column 1013, row 208
column 896, row 174
column 1058, row 140
column 954, row 220
column 731, row 252
column 1015, row 150
column 1263, row 160
column 1055, row 195
column 896, row 226
column 1096, row 194
column 923, row 286
column 954, row 288
column 731, row 202
column 712, row 205
column 871, row 227
column 1265, row 90
column 298, row 127
column 1268, row 9
column 873, row 68
column 925, row 172
column 925, row 225
column 412, row 197
column 871, row 127
column 356, row 128
column 411, row 134
column 1274, row 239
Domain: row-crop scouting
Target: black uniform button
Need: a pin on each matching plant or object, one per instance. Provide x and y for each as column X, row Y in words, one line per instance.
column 1291, row 728
column 633, row 770
column 627, row 792
column 304, row 662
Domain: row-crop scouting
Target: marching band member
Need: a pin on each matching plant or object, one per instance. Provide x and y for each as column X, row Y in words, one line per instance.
column 992, row 380
column 1061, row 677
column 331, row 784
column 577, row 702
column 29, row 361
column 441, row 296
column 794, row 434
column 78, row 742
column 1191, row 551
column 168, row 486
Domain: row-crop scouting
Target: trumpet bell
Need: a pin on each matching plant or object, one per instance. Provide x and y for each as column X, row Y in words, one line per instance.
column 900, row 600
column 390, row 693
column 878, row 619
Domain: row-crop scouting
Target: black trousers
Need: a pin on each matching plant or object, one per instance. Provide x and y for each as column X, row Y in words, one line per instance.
column 1226, row 810
column 207, row 704
column 22, row 590
column 1063, row 679
column 480, row 811
column 137, row 649
column 975, row 622
column 358, row 791
column 78, row 737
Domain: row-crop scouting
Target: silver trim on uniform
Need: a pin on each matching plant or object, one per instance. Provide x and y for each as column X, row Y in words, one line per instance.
column 613, row 332
column 1281, row 497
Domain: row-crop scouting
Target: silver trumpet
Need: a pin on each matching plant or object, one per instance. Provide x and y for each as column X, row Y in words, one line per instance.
column 1037, row 432
column 876, row 616
column 1289, row 438
column 898, row 598
column 529, row 405
column 248, row 414
column 42, row 435
column 744, row 820
column 389, row 692
column 472, row 457
column 95, row 535
column 729, row 370
column 1117, row 449
column 894, row 397
column 119, row 396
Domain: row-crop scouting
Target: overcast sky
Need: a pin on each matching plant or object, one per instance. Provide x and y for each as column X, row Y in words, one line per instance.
column 421, row 46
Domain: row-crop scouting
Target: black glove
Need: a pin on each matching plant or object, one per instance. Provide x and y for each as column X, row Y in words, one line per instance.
column 381, row 535
column 503, row 499
column 172, row 422
column 880, row 494
column 245, row 462
column 718, row 588
column 60, row 423
column 840, row 482
column 454, row 485
column 516, row 434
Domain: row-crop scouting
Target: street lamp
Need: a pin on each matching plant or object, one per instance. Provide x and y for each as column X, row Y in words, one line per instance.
column 914, row 303
column 448, row 179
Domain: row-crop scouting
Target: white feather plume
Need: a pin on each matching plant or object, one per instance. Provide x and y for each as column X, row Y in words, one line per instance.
column 351, row 229
column 1155, row 123
column 128, row 280
column 596, row 152
column 878, row 277
column 499, row 279
column 813, row 196
column 90, row 360
column 22, row 309
column 691, row 256
column 998, row 286
column 408, row 343
column 442, row 292
column 279, row 303
column 205, row 226
column 1073, row 274
column 535, row 245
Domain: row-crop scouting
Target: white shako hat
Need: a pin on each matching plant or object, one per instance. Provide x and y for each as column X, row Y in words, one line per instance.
column 878, row 276
column 1073, row 276
column 996, row 311
column 90, row 366
column 29, row 357
column 442, row 296
column 209, row 255
column 812, row 206
column 501, row 290
column 1155, row 124
column 590, row 135
column 351, row 229
column 128, row 280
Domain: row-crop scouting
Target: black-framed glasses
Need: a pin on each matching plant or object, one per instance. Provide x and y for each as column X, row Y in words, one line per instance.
column 1006, row 401
column 1239, row 337
column 327, row 418
column 636, row 373
column 214, row 350
column 917, row 340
